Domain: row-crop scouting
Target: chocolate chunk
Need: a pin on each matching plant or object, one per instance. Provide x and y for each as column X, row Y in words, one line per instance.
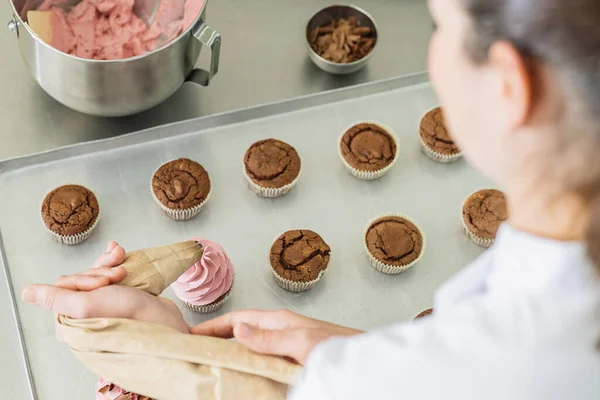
column 272, row 163
column 424, row 313
column 299, row 255
column 368, row 147
column 181, row 184
column 435, row 134
column 342, row 41
column 484, row 211
column 394, row 241
column 70, row 210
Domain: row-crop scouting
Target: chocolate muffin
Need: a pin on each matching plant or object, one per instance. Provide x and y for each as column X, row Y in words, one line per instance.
column 299, row 259
column 181, row 188
column 482, row 214
column 368, row 150
column 394, row 243
column 272, row 167
column 70, row 213
column 423, row 313
column 435, row 138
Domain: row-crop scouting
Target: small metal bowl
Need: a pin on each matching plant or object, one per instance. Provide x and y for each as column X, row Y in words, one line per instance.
column 335, row 12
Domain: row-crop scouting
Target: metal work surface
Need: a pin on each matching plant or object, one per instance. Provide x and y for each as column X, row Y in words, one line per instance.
column 263, row 59
column 327, row 200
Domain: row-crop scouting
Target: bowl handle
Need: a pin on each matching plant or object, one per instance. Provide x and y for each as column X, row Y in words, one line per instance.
column 209, row 37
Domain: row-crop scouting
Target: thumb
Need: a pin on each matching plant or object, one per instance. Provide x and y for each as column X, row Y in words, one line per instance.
column 62, row 301
column 293, row 343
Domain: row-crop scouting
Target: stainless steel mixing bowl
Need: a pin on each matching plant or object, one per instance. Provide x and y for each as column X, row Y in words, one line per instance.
column 121, row 87
column 324, row 17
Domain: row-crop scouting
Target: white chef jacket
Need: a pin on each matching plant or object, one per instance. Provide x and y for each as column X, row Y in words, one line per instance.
column 521, row 322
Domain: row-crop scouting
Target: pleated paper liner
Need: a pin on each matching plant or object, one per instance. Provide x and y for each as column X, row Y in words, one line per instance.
column 438, row 157
column 176, row 214
column 294, row 286
column 481, row 241
column 78, row 238
column 388, row 268
column 212, row 307
column 370, row 175
column 271, row 192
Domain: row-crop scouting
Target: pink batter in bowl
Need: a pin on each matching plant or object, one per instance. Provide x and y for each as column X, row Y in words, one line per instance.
column 109, row 29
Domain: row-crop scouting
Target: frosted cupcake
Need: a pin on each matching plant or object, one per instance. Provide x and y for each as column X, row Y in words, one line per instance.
column 207, row 285
column 368, row 150
column 108, row 391
column 70, row 213
column 271, row 167
column 181, row 188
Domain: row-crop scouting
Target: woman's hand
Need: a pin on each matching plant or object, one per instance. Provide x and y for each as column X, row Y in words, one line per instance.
column 90, row 295
column 281, row 333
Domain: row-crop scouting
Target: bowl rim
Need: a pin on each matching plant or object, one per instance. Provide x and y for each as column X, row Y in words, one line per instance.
column 353, row 63
column 23, row 24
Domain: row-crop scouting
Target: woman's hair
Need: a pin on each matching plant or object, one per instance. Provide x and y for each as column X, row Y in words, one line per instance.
column 563, row 36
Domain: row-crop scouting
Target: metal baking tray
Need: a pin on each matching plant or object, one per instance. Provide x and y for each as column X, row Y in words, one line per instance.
column 327, row 199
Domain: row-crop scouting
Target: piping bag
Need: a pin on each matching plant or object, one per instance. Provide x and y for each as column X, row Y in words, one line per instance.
column 163, row 363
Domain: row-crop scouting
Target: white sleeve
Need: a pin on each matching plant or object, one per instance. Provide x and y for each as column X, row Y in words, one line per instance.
column 377, row 365
column 429, row 359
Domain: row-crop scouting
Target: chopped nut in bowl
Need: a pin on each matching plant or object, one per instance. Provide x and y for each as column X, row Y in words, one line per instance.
column 341, row 39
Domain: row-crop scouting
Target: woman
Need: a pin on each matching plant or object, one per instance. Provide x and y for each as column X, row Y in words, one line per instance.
column 520, row 84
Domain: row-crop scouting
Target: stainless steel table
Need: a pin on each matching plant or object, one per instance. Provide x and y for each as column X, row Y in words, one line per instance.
column 263, row 60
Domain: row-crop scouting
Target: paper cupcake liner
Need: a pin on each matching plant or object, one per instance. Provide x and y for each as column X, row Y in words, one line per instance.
column 209, row 308
column 212, row 307
column 296, row 287
column 387, row 268
column 271, row 192
column 370, row 175
column 483, row 242
column 176, row 214
column 71, row 240
column 438, row 157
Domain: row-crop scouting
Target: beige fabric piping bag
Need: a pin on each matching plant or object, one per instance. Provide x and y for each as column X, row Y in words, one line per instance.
column 162, row 363
column 153, row 270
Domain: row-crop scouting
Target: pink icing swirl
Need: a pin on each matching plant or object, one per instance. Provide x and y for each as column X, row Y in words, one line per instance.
column 208, row 279
column 108, row 391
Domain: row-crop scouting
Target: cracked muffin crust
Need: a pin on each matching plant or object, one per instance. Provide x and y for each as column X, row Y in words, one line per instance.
column 181, row 184
column 70, row 213
column 394, row 241
column 271, row 163
column 299, row 256
column 483, row 212
column 435, row 138
column 368, row 147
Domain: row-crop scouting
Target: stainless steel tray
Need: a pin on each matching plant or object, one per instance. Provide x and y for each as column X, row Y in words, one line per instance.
column 327, row 200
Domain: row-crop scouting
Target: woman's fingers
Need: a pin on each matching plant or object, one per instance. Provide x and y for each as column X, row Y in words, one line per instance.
column 292, row 343
column 114, row 274
column 60, row 300
column 82, row 282
column 111, row 245
column 112, row 258
column 222, row 326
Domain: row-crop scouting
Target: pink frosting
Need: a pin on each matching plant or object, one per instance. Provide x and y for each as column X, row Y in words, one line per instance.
column 208, row 279
column 109, row 30
column 107, row 391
